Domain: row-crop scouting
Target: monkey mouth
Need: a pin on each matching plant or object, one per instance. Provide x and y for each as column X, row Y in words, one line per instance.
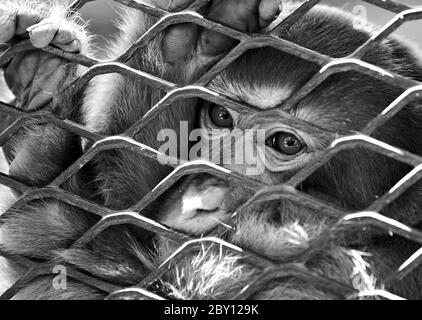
column 207, row 211
column 214, row 273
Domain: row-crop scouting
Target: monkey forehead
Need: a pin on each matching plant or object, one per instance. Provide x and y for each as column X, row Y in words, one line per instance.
column 264, row 77
column 263, row 97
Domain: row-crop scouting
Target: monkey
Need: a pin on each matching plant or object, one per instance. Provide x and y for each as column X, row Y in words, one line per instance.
column 262, row 77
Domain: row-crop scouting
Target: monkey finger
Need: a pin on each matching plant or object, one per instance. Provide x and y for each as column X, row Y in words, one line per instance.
column 65, row 33
column 7, row 25
column 268, row 11
column 43, row 33
column 55, row 31
column 25, row 20
column 13, row 22
column 68, row 37
column 72, row 46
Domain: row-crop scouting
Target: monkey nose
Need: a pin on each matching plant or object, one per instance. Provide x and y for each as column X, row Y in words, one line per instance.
column 200, row 211
column 209, row 201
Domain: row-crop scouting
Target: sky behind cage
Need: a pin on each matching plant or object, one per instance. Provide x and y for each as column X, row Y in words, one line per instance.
column 101, row 13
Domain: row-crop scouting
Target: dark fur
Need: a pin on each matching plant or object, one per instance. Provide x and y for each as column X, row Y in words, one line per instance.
column 119, row 179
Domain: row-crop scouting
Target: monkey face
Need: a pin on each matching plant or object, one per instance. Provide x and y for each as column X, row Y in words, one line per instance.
column 263, row 145
column 282, row 229
column 258, row 144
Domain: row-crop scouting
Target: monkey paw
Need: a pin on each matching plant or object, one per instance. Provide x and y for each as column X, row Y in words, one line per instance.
column 186, row 40
column 35, row 76
column 16, row 21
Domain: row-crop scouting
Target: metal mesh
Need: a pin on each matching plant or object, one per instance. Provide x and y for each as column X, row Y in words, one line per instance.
column 264, row 193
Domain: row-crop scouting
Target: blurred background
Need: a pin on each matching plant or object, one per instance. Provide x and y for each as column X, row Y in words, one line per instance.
column 101, row 14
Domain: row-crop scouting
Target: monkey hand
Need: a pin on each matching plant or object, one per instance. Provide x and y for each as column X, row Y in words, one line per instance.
column 188, row 41
column 35, row 76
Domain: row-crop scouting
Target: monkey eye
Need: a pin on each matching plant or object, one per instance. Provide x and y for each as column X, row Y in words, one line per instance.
column 220, row 116
column 286, row 143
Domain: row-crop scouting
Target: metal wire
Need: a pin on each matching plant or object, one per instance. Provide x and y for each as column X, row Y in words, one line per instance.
column 271, row 269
